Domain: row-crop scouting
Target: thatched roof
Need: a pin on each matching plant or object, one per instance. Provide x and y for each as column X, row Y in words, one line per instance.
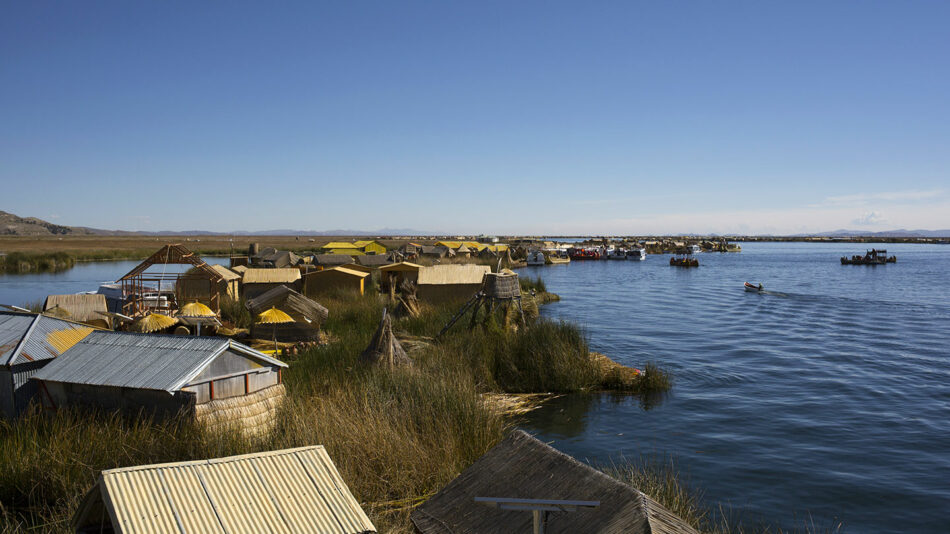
column 271, row 276
column 240, row 269
column 403, row 266
column 453, row 274
column 226, row 273
column 296, row 305
column 332, row 259
column 522, row 467
column 82, row 308
column 373, row 260
column 384, row 348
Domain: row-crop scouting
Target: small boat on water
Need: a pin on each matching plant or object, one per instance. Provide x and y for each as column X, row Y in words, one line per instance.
column 559, row 257
column 752, row 288
column 685, row 261
column 535, row 257
column 617, row 254
column 695, row 249
column 583, row 254
column 637, row 254
column 872, row 257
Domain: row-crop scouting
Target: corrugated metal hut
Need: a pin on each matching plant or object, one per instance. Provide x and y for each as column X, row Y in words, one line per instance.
column 442, row 283
column 308, row 315
column 86, row 308
column 342, row 247
column 28, row 342
column 283, row 491
column 328, row 261
column 213, row 379
column 395, row 273
column 259, row 281
column 521, row 467
column 321, row 282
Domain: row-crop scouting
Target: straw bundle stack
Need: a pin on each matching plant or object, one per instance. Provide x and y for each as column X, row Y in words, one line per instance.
column 254, row 414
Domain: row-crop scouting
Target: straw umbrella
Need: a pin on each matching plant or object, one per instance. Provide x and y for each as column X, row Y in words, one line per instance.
column 198, row 312
column 275, row 317
column 153, row 322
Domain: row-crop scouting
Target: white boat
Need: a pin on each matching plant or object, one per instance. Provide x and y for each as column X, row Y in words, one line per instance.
column 694, row 249
column 535, row 257
column 637, row 254
column 617, row 254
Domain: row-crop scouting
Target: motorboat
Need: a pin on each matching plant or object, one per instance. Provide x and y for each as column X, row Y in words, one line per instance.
column 637, row 254
column 752, row 288
column 617, row 254
column 535, row 257
column 872, row 257
column 695, row 249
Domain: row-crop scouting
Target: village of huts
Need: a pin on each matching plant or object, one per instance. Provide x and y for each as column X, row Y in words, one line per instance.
column 339, row 390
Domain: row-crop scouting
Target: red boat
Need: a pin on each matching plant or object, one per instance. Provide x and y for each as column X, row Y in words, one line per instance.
column 583, row 254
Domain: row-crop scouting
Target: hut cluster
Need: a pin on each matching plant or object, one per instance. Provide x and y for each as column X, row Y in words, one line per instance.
column 156, row 342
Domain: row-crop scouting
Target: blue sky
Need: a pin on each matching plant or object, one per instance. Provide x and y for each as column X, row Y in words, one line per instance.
column 480, row 117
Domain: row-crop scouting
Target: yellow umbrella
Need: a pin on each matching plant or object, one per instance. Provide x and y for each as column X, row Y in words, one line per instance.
column 196, row 309
column 275, row 317
column 153, row 322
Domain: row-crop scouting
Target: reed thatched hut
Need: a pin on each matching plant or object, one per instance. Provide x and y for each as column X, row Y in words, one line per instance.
column 394, row 274
column 308, row 315
column 86, row 308
column 28, row 342
column 290, row 490
column 259, row 281
column 213, row 379
column 337, row 278
column 521, row 467
column 443, row 283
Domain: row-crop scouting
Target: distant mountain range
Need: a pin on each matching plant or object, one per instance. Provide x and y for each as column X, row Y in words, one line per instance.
column 888, row 233
column 11, row 224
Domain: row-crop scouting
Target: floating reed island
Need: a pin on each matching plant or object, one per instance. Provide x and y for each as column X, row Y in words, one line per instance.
column 169, row 370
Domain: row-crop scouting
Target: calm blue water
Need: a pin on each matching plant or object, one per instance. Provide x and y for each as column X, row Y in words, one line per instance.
column 827, row 398
column 24, row 289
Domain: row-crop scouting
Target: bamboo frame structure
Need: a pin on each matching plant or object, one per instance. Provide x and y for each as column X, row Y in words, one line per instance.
column 136, row 282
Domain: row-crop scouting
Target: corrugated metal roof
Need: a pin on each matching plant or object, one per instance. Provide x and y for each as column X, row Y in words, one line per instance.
column 226, row 273
column 452, row 274
column 141, row 361
column 26, row 337
column 372, row 260
column 13, row 326
column 341, row 244
column 271, row 276
column 285, row 491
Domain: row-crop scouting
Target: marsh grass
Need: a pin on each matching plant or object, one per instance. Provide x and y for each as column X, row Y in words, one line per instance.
column 397, row 436
column 23, row 262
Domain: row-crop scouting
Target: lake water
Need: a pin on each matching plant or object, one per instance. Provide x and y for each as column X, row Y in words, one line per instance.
column 24, row 289
column 826, row 398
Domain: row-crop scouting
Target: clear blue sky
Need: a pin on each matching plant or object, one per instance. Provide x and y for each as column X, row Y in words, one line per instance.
column 507, row 117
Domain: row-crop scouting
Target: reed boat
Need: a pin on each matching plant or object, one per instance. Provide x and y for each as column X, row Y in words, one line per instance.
column 684, row 262
column 583, row 254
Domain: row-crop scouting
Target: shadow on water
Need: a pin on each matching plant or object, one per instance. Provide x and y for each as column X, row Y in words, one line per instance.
column 568, row 416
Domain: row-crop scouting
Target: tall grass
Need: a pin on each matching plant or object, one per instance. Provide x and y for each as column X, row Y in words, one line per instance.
column 22, row 262
column 397, row 436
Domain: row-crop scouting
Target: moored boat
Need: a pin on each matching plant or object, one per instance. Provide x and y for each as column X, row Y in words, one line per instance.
column 617, row 254
column 583, row 254
column 535, row 257
column 637, row 254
